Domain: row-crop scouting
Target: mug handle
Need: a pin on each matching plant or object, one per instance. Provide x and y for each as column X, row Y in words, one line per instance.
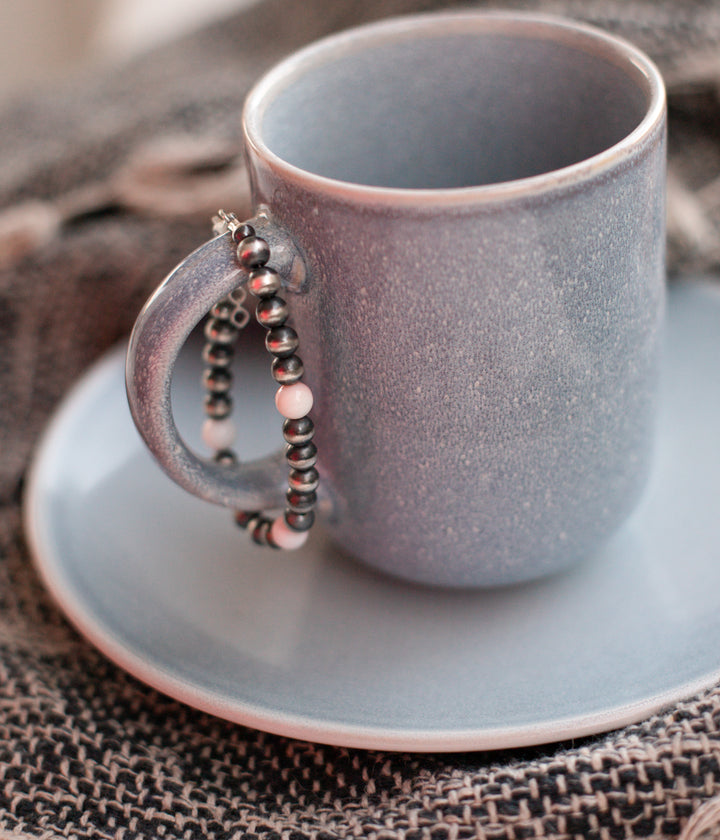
column 177, row 306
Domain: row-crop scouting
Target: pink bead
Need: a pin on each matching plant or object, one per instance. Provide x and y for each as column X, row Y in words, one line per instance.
column 294, row 401
column 284, row 537
column 218, row 434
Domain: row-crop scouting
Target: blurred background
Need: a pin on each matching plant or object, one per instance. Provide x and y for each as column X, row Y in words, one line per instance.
column 41, row 39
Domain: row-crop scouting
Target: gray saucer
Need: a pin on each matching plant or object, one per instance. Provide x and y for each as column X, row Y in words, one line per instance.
column 315, row 646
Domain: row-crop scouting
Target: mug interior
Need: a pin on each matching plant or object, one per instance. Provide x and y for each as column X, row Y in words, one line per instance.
column 452, row 106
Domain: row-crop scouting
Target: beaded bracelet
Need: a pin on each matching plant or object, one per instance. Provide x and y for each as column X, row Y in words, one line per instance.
column 293, row 399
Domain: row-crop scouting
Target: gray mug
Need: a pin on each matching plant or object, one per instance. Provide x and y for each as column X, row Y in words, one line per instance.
column 467, row 213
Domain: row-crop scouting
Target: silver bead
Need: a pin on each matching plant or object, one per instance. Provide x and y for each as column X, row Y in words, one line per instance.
column 272, row 312
column 240, row 230
column 219, row 331
column 218, row 380
column 282, row 341
column 260, row 532
column 218, row 406
column 264, row 282
column 298, row 431
column 300, row 502
column 218, row 355
column 304, row 480
column 287, row 371
column 223, row 310
column 301, row 457
column 226, row 457
column 243, row 518
column 300, row 521
column 253, row 252
column 252, row 522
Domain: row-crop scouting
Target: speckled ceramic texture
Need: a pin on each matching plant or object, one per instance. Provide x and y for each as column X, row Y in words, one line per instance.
column 477, row 201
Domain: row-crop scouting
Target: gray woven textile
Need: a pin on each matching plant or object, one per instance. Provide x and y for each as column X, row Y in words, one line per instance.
column 106, row 183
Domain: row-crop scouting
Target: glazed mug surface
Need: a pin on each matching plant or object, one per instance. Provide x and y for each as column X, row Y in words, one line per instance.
column 467, row 212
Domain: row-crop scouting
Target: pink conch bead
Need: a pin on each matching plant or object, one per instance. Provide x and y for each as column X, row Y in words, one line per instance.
column 284, row 537
column 218, row 434
column 294, row 401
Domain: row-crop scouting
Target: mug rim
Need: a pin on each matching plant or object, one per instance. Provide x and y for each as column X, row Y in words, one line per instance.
column 560, row 29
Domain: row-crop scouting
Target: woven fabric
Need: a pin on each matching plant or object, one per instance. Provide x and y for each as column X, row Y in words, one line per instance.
column 106, row 182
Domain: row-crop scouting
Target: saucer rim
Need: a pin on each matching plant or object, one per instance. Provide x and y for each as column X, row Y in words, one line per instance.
column 329, row 732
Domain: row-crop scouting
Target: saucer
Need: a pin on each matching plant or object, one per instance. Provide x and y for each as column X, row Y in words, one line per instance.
column 312, row 645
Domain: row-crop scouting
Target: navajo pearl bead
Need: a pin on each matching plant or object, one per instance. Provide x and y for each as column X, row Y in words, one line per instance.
column 272, row 312
column 244, row 517
column 218, row 406
column 226, row 457
column 304, row 481
column 251, row 523
column 285, row 537
column 218, row 434
column 294, row 401
column 242, row 231
column 218, row 380
column 282, row 341
column 218, row 355
column 264, row 282
column 301, row 457
column 223, row 310
column 300, row 521
column 260, row 532
column 253, row 252
column 287, row 371
column 300, row 502
column 297, row 431
column 219, row 331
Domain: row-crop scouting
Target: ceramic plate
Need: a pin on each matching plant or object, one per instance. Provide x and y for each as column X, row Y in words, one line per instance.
column 315, row 646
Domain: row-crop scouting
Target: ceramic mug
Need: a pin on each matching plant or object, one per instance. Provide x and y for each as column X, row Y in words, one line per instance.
column 467, row 211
